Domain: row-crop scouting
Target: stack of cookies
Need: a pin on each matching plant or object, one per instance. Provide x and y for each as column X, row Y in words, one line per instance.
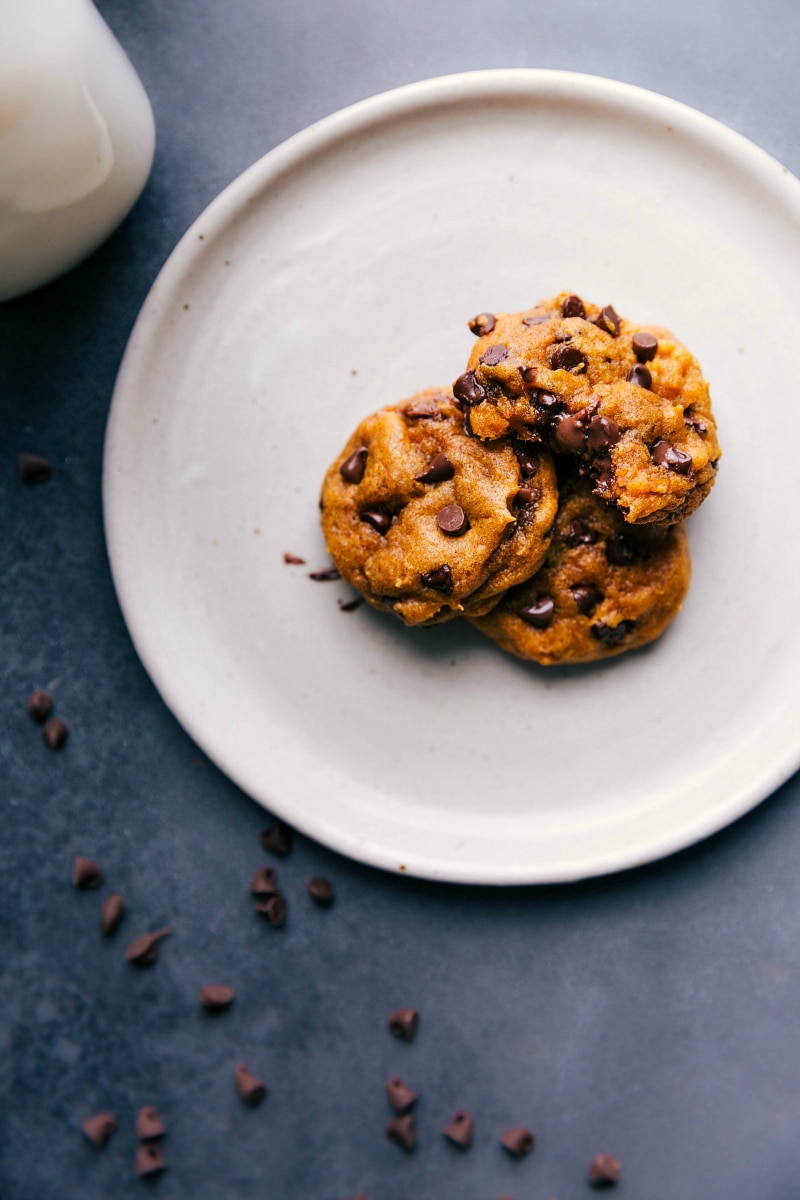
column 542, row 497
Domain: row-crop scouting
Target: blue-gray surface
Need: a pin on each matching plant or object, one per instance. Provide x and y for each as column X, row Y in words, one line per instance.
column 652, row 1015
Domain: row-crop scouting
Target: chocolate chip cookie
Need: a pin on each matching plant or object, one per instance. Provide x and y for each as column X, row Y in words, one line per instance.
column 605, row 587
column 430, row 522
column 627, row 402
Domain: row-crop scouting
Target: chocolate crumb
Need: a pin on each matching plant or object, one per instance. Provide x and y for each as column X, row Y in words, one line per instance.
column 518, row 1141
column 40, row 705
column 277, row 839
column 324, row 576
column 55, row 733
column 403, row 1023
column 143, row 951
column 403, row 1132
column 604, row 1170
column 99, row 1128
column 482, row 324
column 264, row 882
column 149, row 1160
column 274, row 910
column 293, row 560
column 401, row 1096
column 459, row 1131
column 34, row 469
column 216, row 997
column 251, row 1088
column 321, row 891
column 149, row 1124
column 111, row 913
column 86, row 873
column 350, row 605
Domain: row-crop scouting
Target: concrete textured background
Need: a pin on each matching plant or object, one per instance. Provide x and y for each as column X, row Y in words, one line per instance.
column 653, row 1014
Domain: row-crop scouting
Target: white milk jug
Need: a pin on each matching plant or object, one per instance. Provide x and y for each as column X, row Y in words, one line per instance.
column 76, row 138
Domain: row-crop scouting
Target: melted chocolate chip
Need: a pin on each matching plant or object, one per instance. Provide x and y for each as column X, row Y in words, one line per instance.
column 277, row 839
column 381, row 522
column 440, row 579
column 216, row 997
column 569, row 433
column 603, row 433
column 423, row 410
column 645, row 346
column 265, row 882
column 612, row 635
column 403, row 1132
column 353, row 467
column 535, row 319
column 34, row 469
column 321, row 891
column 608, row 320
column 578, row 533
column 55, row 733
column 664, row 454
column 564, row 357
column 40, row 705
column 528, row 459
column 149, row 1124
column 640, row 375
column 518, row 1141
column 401, row 1097
column 403, row 1023
column 111, row 913
column 274, row 909
column 467, row 389
column 99, row 1128
column 540, row 614
column 437, row 470
column 526, row 497
column 251, row 1088
column 86, row 873
column 587, row 596
column 482, row 324
column 452, row 520
column 494, row 355
column 143, row 951
column 149, row 1160
column 620, row 550
column 459, row 1131
column 695, row 421
column 548, row 401
column 572, row 306
column 604, row 1170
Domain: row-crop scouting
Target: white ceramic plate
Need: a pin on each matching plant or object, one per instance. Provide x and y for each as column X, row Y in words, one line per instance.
column 337, row 275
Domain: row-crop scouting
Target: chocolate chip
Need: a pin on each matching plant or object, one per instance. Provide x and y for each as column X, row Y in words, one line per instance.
column 572, row 306
column 587, row 596
column 696, row 422
column 452, row 520
column 381, row 522
column 526, row 497
column 564, row 357
column 265, row 882
column 111, row 913
column 494, row 355
column 34, row 469
column 99, row 1128
column 440, row 579
column 403, row 1023
column 645, row 346
column 608, row 320
column 55, row 733
column 664, row 454
column 540, row 614
column 604, row 1170
column 40, row 705
column 528, row 374
column 216, row 997
column 467, row 389
column 403, row 1132
column 640, row 375
column 149, row 1160
column 535, row 320
column 143, row 951
column 459, row 1131
column 320, row 890
column 251, row 1088
column 518, row 1141
column 401, row 1097
column 620, row 550
column 570, row 433
column 350, row 605
column 277, row 839
column 548, row 402
column 482, row 324
column 437, row 471
column 612, row 635
column 293, row 559
column 353, row 467
column 324, row 576
column 86, row 873
column 274, row 909
column 603, row 433
column 528, row 458
column 562, row 335
column 149, row 1124
column 578, row 533
column 423, row 410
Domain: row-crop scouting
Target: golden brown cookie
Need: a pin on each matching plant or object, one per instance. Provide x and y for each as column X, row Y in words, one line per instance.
column 426, row 520
column 605, row 587
column 628, row 402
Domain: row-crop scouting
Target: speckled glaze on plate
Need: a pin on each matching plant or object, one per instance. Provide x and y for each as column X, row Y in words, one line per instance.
column 337, row 275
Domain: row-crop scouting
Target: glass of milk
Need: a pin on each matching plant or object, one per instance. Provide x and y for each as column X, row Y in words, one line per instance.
column 76, row 138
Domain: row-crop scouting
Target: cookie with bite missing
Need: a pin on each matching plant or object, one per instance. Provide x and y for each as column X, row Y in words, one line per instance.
column 430, row 522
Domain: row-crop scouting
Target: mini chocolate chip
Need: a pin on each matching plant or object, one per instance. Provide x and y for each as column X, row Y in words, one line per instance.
column 640, row 375
column 603, row 433
column 99, row 1128
column 534, row 319
column 86, row 873
column 55, row 733
column 34, row 469
column 540, row 614
column 403, row 1023
column 324, row 576
column 564, row 357
column 452, row 520
column 251, row 1088
column 578, row 533
column 528, row 458
column 482, row 324
column 350, row 605
column 526, row 497
column 40, row 705
column 612, row 635
column 572, row 306
column 381, row 522
column 665, row 455
column 401, row 1097
column 149, row 1124
column 320, row 890
column 149, row 1160
column 645, row 346
column 494, row 355
column 587, row 596
column 293, row 559
column 518, row 1141
column 608, row 320
column 423, row 410
column 604, row 1171
column 467, row 389
column 143, row 951
column 111, row 913
column 620, row 550
column 437, row 471
column 459, row 1131
column 403, row 1132
column 440, row 579
column 274, row 909
column 277, row 839
column 216, row 997
column 569, row 433
column 265, row 882
column 528, row 374
column 696, row 422
column 353, row 467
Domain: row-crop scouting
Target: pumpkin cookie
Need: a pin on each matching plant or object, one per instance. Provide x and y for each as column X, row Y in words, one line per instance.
column 430, row 522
